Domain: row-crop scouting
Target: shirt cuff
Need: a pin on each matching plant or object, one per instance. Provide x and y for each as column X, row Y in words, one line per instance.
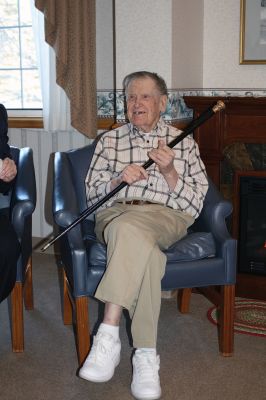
column 179, row 188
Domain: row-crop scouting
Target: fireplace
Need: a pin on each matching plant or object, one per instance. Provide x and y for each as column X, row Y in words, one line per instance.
column 252, row 225
column 242, row 121
column 243, row 181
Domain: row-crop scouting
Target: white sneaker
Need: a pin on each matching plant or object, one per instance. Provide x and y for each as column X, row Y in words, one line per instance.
column 104, row 356
column 146, row 382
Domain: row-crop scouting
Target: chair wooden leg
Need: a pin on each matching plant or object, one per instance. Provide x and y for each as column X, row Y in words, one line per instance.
column 28, row 287
column 17, row 326
column 83, row 331
column 183, row 299
column 226, row 320
column 67, row 305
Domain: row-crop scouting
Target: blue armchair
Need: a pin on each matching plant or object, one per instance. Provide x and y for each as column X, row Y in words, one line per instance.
column 204, row 259
column 22, row 201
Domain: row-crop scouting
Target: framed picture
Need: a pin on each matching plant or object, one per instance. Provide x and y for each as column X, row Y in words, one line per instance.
column 253, row 32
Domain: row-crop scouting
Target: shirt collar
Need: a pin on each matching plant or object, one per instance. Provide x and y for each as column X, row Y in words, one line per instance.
column 157, row 130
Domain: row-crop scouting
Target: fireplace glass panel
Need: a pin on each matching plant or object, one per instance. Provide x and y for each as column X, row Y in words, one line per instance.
column 252, row 225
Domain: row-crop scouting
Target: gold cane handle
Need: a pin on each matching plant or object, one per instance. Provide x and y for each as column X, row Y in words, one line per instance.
column 218, row 106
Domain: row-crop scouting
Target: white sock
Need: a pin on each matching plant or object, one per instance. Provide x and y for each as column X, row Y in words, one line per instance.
column 147, row 349
column 113, row 330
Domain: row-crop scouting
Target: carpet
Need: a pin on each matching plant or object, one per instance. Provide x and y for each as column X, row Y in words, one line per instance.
column 250, row 316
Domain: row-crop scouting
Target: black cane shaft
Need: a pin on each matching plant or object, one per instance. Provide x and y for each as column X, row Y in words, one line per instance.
column 85, row 214
column 189, row 129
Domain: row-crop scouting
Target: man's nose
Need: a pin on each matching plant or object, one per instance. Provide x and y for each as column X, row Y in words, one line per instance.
column 137, row 100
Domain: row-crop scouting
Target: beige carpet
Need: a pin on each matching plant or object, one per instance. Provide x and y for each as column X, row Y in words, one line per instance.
column 191, row 367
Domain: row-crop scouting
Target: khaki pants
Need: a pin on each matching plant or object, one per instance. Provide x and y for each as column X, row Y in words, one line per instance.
column 135, row 237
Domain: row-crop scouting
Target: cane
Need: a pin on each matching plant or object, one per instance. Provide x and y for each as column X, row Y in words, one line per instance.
column 190, row 128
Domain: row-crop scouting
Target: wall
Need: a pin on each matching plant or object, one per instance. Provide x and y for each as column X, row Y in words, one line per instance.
column 193, row 44
column 143, row 37
column 187, row 44
column 221, row 68
column 104, row 44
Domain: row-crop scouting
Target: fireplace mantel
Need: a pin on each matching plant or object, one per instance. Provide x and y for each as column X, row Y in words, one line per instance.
column 242, row 120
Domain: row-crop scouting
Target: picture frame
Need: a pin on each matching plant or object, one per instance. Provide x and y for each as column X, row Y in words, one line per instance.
column 252, row 32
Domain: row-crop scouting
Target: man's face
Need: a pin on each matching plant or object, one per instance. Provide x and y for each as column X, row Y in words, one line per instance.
column 144, row 103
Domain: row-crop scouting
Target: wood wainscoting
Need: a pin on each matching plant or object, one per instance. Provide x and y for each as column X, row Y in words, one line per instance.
column 242, row 120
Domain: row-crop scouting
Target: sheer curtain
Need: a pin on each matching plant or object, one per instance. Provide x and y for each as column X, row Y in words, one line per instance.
column 56, row 106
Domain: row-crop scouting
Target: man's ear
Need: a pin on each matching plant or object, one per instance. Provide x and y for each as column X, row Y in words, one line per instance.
column 163, row 104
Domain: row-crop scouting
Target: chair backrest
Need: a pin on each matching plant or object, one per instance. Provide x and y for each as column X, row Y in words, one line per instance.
column 80, row 160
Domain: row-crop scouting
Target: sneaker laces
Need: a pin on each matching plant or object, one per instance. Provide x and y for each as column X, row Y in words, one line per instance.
column 147, row 365
column 103, row 344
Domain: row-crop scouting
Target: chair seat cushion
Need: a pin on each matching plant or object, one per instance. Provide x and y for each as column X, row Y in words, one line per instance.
column 194, row 246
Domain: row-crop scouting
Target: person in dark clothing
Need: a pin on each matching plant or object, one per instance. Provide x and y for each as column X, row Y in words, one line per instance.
column 9, row 244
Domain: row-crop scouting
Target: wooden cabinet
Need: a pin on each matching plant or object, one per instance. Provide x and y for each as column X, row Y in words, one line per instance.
column 242, row 120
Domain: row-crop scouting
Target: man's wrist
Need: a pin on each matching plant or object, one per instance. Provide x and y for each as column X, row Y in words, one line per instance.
column 115, row 182
column 170, row 174
column 171, row 178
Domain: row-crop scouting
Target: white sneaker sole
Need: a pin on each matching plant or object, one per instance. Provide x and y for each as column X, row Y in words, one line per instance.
column 139, row 396
column 84, row 374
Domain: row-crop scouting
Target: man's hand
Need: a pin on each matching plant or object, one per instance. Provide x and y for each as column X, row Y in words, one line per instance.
column 8, row 171
column 164, row 157
column 131, row 174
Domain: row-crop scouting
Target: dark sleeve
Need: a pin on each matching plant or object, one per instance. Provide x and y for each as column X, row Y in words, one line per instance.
column 4, row 147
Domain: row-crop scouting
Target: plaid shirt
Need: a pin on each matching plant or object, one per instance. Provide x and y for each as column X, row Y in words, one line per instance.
column 119, row 147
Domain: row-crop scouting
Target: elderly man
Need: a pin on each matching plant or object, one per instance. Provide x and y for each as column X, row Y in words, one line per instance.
column 9, row 245
column 152, row 212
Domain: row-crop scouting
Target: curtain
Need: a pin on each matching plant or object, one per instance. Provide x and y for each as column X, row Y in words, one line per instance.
column 70, row 28
column 56, row 107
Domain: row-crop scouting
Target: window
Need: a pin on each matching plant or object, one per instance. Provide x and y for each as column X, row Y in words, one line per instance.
column 19, row 76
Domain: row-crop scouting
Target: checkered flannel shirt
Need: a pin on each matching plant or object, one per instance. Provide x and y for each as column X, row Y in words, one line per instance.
column 119, row 147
